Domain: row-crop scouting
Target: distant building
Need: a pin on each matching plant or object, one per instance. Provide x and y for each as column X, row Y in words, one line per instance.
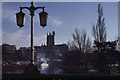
column 22, row 48
column 51, row 50
column 6, row 48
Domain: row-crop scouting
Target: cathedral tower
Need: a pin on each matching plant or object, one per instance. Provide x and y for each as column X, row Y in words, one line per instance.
column 50, row 39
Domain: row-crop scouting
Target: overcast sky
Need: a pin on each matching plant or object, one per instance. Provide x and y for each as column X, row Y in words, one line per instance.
column 63, row 18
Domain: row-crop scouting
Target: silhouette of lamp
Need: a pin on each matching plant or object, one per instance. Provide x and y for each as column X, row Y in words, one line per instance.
column 43, row 18
column 20, row 19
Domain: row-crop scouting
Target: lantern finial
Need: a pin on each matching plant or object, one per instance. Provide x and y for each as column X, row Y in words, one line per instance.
column 32, row 3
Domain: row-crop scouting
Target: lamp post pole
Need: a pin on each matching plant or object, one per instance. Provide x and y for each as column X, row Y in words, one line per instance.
column 32, row 34
column 32, row 10
column 20, row 18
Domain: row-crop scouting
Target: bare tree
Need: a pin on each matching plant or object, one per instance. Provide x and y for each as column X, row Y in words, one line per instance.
column 99, row 31
column 72, row 46
column 81, row 41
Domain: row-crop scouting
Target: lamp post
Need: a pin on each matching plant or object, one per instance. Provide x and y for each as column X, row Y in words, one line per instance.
column 20, row 18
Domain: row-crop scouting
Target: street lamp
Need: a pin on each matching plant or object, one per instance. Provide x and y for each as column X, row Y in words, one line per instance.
column 20, row 19
column 20, row 16
column 43, row 18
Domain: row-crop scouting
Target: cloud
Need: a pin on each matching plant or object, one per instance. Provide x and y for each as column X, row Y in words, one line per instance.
column 13, row 37
column 8, row 15
column 17, row 38
column 20, row 39
column 57, row 22
column 54, row 21
column 38, row 40
column 62, row 41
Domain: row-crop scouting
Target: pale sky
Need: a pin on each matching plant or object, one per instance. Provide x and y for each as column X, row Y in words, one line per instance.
column 63, row 18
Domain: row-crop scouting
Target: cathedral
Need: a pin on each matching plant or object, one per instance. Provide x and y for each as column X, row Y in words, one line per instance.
column 50, row 50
